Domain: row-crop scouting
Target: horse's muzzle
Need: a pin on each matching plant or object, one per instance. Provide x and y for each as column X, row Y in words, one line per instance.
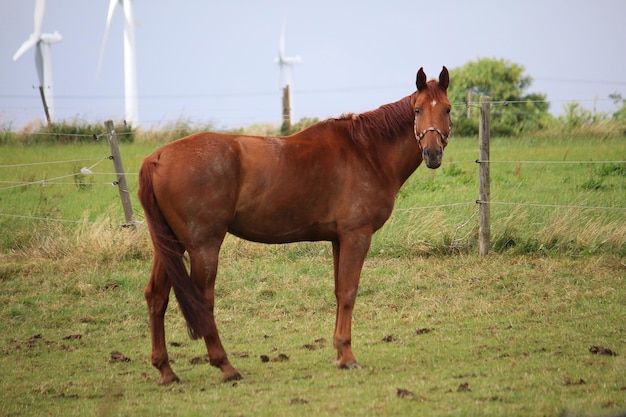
column 433, row 157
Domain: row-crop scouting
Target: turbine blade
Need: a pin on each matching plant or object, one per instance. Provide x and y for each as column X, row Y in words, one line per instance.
column 39, row 9
column 281, row 42
column 29, row 43
column 106, row 34
column 127, row 6
column 112, row 5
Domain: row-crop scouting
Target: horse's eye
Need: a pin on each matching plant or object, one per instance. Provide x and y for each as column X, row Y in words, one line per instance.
column 448, row 110
column 417, row 110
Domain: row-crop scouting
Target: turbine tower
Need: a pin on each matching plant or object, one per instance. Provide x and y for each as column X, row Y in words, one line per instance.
column 130, row 59
column 285, row 65
column 43, row 58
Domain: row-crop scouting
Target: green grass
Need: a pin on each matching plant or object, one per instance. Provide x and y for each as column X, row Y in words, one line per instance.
column 525, row 228
column 516, row 330
column 508, row 334
column 438, row 228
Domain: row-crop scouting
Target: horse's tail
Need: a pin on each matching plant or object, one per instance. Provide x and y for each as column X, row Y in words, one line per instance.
column 169, row 250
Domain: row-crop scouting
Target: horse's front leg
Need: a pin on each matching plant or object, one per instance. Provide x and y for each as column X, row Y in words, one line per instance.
column 348, row 256
column 157, row 297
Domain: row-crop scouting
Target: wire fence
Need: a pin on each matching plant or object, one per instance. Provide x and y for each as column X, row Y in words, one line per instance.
column 88, row 170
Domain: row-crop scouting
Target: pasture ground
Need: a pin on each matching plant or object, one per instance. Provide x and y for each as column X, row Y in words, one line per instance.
column 436, row 336
column 537, row 328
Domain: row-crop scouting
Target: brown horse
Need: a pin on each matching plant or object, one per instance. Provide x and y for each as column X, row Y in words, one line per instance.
column 334, row 181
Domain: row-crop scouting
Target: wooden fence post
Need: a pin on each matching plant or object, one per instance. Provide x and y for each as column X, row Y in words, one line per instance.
column 286, row 126
column 484, row 232
column 470, row 95
column 121, row 176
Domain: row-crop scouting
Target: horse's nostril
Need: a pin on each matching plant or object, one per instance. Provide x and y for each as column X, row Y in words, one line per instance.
column 433, row 157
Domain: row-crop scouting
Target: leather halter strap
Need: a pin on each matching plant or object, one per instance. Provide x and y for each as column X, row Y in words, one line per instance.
column 420, row 136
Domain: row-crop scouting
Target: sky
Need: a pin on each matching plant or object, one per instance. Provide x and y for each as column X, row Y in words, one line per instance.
column 213, row 61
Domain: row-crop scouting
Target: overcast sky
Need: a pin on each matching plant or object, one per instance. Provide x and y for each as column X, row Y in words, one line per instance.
column 213, row 62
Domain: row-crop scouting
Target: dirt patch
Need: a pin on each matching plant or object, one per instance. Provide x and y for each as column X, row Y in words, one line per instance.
column 34, row 340
column 388, row 339
column 404, row 393
column 111, row 286
column 569, row 382
column 37, row 341
column 117, row 356
column 297, row 400
column 463, row 376
column 601, row 350
column 318, row 344
column 199, row 360
column 280, row 358
column 423, row 331
column 68, row 396
column 464, row 387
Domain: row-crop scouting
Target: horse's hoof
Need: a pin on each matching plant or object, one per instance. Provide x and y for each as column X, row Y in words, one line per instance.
column 349, row 365
column 235, row 376
column 169, row 379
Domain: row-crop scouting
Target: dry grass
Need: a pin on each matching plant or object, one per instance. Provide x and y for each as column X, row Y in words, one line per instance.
column 85, row 242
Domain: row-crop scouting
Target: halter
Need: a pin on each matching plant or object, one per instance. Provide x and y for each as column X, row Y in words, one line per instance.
column 420, row 136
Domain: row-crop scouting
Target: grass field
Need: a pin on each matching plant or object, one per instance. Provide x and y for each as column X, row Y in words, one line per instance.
column 537, row 328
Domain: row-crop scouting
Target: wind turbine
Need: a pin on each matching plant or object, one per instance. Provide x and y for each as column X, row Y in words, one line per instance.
column 130, row 58
column 287, row 63
column 43, row 59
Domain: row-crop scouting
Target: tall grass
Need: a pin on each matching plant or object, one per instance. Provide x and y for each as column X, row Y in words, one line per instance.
column 435, row 211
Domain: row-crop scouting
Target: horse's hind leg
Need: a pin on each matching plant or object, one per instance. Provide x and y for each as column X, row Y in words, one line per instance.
column 157, row 296
column 203, row 273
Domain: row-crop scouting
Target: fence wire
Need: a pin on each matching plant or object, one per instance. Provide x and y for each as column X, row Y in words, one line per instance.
column 55, row 180
column 505, row 203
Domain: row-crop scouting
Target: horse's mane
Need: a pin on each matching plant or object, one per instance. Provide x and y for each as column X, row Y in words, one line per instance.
column 388, row 121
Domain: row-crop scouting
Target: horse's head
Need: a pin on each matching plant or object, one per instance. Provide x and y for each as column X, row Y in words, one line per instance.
column 432, row 116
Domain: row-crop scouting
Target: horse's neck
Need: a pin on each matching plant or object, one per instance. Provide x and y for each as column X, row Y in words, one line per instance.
column 395, row 157
column 404, row 156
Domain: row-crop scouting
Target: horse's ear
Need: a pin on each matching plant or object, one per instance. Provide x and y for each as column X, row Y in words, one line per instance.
column 444, row 79
column 421, row 80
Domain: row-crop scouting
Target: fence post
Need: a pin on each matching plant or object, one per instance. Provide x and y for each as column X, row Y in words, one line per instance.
column 484, row 232
column 286, row 126
column 470, row 95
column 121, row 176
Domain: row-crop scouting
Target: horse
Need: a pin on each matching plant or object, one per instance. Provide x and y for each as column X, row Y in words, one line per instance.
column 334, row 181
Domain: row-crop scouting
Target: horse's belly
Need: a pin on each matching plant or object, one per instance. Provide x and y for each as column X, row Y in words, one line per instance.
column 277, row 228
